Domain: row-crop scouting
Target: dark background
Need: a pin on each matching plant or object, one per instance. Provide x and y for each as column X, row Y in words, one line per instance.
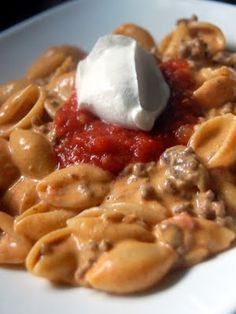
column 13, row 12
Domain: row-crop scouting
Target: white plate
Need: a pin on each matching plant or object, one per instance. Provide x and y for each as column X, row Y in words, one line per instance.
column 206, row 288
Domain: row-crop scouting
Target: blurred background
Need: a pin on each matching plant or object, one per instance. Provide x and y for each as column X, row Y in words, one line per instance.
column 13, row 12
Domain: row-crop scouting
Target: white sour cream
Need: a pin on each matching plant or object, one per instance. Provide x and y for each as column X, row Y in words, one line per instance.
column 121, row 83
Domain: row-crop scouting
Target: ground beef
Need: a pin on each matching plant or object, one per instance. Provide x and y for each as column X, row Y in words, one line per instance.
column 227, row 58
column 194, row 49
column 147, row 191
column 138, row 170
column 207, row 206
column 193, row 18
column 184, row 172
column 182, row 207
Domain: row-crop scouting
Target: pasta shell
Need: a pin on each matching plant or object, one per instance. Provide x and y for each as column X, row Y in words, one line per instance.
column 67, row 66
column 225, row 185
column 132, row 211
column 19, row 110
column 210, row 34
column 207, row 73
column 40, row 220
column 170, row 46
column 97, row 229
column 128, row 193
column 209, row 238
column 78, row 187
column 131, row 266
column 59, row 90
column 200, row 238
column 102, row 250
column 219, row 238
column 62, row 85
column 20, row 196
column 11, row 87
column 216, row 91
column 8, row 171
column 52, row 59
column 94, row 234
column 214, row 141
column 13, row 247
column 32, row 153
column 165, row 43
column 54, row 257
column 142, row 36
column 62, row 256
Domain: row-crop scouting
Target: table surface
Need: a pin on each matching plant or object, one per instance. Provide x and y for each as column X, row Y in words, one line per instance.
column 16, row 11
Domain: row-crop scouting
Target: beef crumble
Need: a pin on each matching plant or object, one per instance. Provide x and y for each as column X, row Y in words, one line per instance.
column 184, row 172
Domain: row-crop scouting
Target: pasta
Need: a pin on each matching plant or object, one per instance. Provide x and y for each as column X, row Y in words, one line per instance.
column 36, row 166
column 20, row 196
column 77, row 211
column 194, row 39
column 221, row 84
column 214, row 139
column 21, row 108
column 74, row 187
column 142, row 36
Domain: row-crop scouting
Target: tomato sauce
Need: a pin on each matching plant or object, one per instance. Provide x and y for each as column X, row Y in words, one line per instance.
column 82, row 137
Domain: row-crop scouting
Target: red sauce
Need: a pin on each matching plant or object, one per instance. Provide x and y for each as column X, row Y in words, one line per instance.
column 82, row 137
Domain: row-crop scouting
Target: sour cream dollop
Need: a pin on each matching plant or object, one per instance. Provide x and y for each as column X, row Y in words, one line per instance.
column 121, row 83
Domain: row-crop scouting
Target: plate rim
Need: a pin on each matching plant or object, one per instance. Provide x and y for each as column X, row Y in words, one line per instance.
column 54, row 10
column 61, row 6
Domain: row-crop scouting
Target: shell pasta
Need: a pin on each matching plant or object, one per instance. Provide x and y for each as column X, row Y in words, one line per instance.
column 77, row 211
